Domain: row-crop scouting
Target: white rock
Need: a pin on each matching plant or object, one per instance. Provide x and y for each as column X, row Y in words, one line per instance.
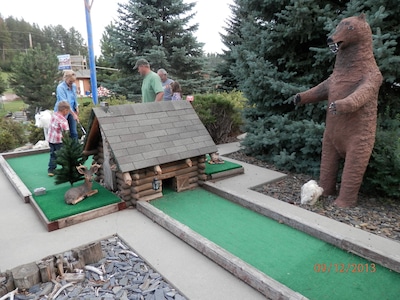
column 41, row 145
column 310, row 192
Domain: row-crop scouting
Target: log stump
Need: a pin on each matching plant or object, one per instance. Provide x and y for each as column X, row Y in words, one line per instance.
column 47, row 269
column 91, row 253
column 6, row 283
column 26, row 276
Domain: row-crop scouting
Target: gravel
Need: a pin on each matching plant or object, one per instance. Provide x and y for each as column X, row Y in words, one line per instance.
column 122, row 274
column 376, row 215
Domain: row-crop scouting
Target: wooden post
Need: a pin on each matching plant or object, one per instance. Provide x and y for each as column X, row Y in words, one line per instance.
column 91, row 253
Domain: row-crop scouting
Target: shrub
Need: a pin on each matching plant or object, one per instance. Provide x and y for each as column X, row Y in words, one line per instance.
column 35, row 133
column 382, row 176
column 86, row 109
column 289, row 145
column 12, row 134
column 220, row 114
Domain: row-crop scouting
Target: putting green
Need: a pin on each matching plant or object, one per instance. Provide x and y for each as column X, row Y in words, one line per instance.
column 217, row 168
column 303, row 263
column 32, row 170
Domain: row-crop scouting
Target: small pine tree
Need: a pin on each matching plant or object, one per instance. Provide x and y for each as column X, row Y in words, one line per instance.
column 69, row 157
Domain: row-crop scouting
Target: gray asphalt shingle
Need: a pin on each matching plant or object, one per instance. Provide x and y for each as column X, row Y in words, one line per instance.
column 143, row 135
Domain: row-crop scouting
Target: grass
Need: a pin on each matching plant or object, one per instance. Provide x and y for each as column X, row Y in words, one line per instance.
column 18, row 105
column 11, row 106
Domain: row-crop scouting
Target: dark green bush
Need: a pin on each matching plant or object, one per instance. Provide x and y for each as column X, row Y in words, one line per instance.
column 289, row 145
column 220, row 114
column 12, row 134
column 86, row 109
column 382, row 177
column 35, row 133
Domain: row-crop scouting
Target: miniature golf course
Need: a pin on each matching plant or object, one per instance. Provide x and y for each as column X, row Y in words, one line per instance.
column 303, row 263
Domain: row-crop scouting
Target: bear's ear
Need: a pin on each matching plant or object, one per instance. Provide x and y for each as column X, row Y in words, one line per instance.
column 362, row 17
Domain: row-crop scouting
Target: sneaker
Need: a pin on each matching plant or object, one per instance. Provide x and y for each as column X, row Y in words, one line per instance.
column 50, row 173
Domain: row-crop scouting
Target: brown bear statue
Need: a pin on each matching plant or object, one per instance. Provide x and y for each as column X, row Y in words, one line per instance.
column 352, row 93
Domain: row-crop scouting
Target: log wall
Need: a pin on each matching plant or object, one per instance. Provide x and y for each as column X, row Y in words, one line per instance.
column 137, row 185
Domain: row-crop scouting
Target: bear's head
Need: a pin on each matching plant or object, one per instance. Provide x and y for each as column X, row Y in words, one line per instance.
column 353, row 31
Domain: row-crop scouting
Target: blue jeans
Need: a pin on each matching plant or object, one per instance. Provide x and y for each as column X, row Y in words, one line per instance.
column 73, row 132
column 52, row 162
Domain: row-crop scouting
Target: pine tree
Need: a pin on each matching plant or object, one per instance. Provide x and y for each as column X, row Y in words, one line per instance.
column 231, row 39
column 160, row 32
column 69, row 157
column 281, row 50
column 34, row 78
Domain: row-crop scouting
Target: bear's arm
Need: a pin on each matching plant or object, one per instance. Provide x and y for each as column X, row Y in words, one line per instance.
column 366, row 91
column 315, row 94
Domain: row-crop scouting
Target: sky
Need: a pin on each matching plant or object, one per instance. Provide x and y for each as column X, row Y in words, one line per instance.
column 211, row 16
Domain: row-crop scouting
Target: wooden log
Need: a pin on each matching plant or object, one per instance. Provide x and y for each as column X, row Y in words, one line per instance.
column 227, row 173
column 126, row 198
column 188, row 171
column 47, row 269
column 119, row 175
column 127, row 178
column 177, row 166
column 138, row 196
column 26, row 276
column 201, row 166
column 142, row 187
column 141, row 175
column 151, row 197
column 140, row 182
column 202, row 177
column 91, row 253
column 124, row 192
column 189, row 162
column 121, row 184
column 157, row 170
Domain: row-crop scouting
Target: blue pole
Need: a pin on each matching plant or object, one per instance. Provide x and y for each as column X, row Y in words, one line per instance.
column 92, row 62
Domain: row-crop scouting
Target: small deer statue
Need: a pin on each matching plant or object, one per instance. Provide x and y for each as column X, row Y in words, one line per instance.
column 79, row 193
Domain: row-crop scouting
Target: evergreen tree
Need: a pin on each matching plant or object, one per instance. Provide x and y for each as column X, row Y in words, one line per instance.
column 34, row 78
column 17, row 36
column 63, row 41
column 69, row 157
column 3, row 86
column 5, row 43
column 281, row 51
column 160, row 32
column 231, row 39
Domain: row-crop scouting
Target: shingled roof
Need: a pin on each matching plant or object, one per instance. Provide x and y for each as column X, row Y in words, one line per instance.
column 143, row 135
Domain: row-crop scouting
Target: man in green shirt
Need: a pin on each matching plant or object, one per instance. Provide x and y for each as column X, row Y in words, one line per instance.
column 152, row 89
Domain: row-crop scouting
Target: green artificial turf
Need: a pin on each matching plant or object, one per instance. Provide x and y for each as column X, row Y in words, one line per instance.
column 291, row 257
column 32, row 170
column 216, row 168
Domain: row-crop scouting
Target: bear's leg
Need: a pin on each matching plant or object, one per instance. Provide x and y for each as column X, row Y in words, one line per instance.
column 355, row 164
column 329, row 167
